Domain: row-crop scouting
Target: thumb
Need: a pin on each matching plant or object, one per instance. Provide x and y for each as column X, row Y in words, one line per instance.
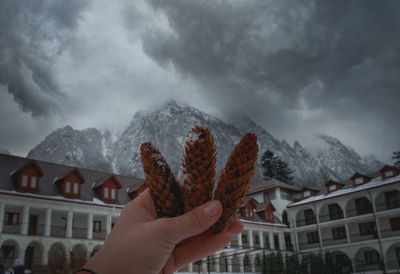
column 195, row 221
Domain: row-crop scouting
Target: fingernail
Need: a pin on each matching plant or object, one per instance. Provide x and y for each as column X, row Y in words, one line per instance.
column 212, row 208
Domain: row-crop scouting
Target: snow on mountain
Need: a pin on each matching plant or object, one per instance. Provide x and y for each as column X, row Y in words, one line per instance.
column 67, row 146
column 167, row 129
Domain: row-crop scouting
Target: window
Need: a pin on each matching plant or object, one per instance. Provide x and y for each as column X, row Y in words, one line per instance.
column 331, row 187
column 335, row 212
column 24, row 181
column 257, row 239
column 363, row 206
column 389, row 173
column 269, row 196
column 106, row 193
column 33, row 182
column 64, row 222
column 397, row 251
column 8, row 251
column 395, row 223
column 309, row 217
column 368, row 228
column 68, row 187
column 96, row 226
column 312, row 237
column 11, row 218
column 359, row 181
column 76, row 188
column 306, row 194
column 371, row 257
column 113, row 196
column 338, row 233
column 392, row 199
column 244, row 238
column 246, row 212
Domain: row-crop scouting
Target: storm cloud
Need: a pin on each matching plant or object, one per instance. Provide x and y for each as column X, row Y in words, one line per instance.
column 285, row 62
column 32, row 35
column 297, row 68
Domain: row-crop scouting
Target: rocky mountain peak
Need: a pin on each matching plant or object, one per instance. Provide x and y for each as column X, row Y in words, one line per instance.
column 167, row 127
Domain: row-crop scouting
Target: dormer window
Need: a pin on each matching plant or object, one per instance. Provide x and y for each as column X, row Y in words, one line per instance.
column 307, row 193
column 33, row 182
column 24, row 181
column 359, row 181
column 76, row 188
column 68, row 187
column 332, row 187
column 389, row 173
column 70, row 183
column 107, row 188
column 27, row 177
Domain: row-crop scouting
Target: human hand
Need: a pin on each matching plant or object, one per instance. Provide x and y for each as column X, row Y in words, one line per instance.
column 141, row 243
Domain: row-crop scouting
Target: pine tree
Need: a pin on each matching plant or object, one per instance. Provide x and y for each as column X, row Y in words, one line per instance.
column 396, row 156
column 275, row 168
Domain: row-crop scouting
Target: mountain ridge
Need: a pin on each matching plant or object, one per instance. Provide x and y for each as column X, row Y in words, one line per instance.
column 167, row 128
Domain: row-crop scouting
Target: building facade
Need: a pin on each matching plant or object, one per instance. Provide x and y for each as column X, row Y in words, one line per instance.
column 50, row 211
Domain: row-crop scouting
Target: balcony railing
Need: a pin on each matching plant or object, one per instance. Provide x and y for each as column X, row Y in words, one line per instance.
column 331, row 241
column 387, row 206
column 328, row 217
column 388, row 233
column 359, row 238
column 101, row 235
column 303, row 246
column 12, row 229
column 359, row 212
column 304, row 222
column 79, row 232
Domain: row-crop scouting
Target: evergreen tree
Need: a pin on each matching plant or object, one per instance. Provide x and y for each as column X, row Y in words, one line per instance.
column 275, row 168
column 396, row 156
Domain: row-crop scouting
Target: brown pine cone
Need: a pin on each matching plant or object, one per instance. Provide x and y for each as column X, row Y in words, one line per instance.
column 235, row 180
column 196, row 176
column 161, row 182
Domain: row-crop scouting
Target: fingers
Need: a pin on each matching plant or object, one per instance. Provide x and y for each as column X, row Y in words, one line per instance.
column 194, row 222
column 200, row 247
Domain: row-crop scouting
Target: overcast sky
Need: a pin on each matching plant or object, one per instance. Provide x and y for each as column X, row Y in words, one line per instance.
column 297, row 68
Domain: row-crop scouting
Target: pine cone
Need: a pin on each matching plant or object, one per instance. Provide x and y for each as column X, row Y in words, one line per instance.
column 161, row 182
column 235, row 180
column 196, row 176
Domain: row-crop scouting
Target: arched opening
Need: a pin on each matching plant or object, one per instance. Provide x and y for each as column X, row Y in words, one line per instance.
column 95, row 249
column 367, row 259
column 388, row 199
column 340, row 262
column 285, row 219
column 330, row 212
column 236, row 262
column 259, row 262
column 9, row 252
column 358, row 206
column 57, row 259
column 393, row 256
column 223, row 263
column 305, row 217
column 33, row 255
column 78, row 256
column 247, row 263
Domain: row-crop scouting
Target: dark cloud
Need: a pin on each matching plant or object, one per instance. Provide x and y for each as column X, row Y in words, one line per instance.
column 273, row 59
column 32, row 35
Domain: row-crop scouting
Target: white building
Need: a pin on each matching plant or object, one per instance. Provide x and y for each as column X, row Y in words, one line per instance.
column 48, row 209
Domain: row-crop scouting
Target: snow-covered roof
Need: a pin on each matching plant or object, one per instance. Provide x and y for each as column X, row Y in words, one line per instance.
column 375, row 182
column 94, row 201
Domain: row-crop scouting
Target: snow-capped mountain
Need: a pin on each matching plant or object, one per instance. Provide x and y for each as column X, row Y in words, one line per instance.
column 82, row 148
column 167, row 128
